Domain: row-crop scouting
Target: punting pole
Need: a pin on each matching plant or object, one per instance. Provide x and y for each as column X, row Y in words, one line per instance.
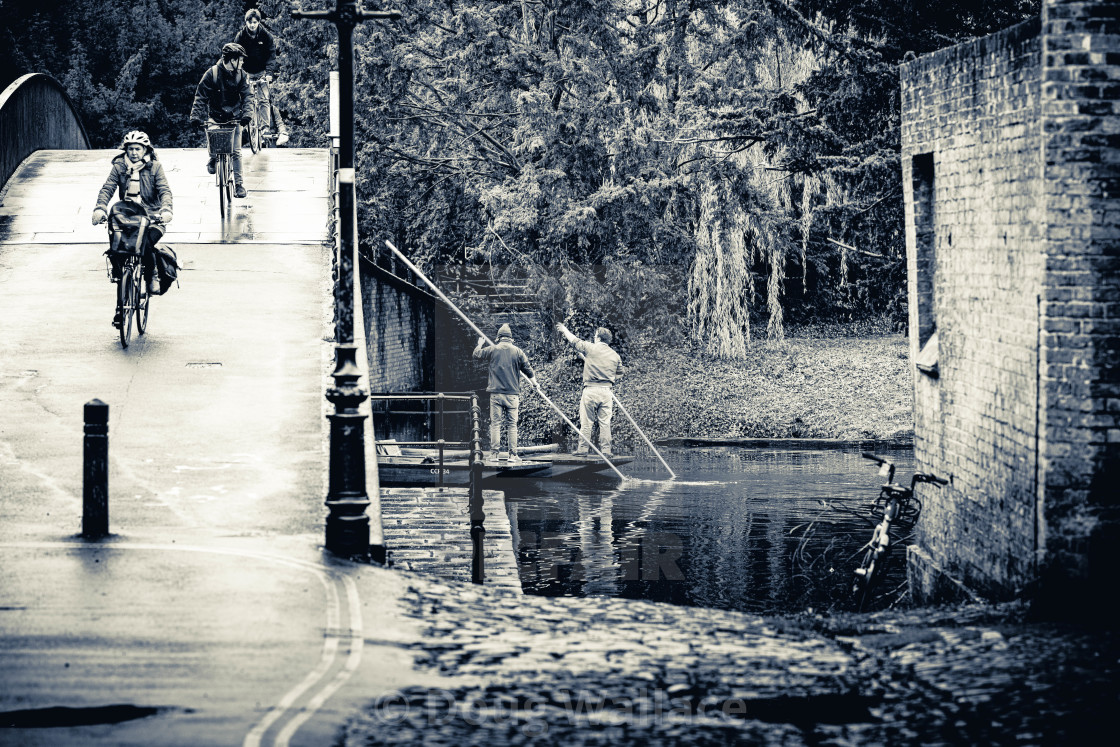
column 466, row 319
column 618, row 402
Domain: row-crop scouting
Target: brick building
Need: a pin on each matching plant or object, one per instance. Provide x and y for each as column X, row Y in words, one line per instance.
column 1011, row 174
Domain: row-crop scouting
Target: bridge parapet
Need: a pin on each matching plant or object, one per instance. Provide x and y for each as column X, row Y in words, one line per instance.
column 37, row 113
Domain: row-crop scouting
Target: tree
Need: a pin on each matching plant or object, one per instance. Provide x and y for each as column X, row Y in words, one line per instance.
column 126, row 65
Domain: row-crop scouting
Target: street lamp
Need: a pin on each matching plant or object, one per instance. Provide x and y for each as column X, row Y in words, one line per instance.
column 347, row 522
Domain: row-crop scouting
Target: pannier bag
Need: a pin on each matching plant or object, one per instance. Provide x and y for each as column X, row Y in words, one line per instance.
column 167, row 267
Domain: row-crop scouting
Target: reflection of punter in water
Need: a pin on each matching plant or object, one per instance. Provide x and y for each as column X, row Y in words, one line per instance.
column 597, row 569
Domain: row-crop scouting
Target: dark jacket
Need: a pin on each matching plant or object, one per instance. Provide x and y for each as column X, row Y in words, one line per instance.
column 221, row 95
column 258, row 49
column 155, row 194
column 506, row 361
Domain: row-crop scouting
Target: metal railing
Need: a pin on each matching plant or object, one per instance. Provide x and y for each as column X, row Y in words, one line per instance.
column 474, row 445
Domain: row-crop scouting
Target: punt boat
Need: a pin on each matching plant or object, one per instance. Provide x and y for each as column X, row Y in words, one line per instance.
column 401, row 467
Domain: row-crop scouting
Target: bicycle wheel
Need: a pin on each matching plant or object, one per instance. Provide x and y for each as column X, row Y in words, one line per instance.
column 228, row 171
column 143, row 305
column 225, row 186
column 125, row 302
column 254, row 133
column 221, row 182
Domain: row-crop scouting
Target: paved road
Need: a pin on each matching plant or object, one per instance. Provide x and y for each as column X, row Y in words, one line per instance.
column 212, row 602
column 50, row 198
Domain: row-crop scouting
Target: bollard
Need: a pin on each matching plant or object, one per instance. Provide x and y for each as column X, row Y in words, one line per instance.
column 95, row 470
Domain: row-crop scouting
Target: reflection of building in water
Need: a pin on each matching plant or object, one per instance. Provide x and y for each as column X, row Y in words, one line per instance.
column 1011, row 185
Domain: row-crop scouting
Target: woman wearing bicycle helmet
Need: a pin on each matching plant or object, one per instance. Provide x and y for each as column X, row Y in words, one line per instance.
column 138, row 178
column 222, row 97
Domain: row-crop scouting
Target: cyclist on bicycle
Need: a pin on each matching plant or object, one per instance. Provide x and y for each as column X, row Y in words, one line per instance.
column 259, row 44
column 222, row 97
column 138, row 177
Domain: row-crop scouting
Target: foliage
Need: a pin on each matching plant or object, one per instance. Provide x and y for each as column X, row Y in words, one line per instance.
column 750, row 146
column 809, row 387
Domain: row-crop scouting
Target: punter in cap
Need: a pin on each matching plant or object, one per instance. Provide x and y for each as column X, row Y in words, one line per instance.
column 507, row 363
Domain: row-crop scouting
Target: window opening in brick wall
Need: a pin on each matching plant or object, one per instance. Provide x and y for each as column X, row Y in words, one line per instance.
column 925, row 230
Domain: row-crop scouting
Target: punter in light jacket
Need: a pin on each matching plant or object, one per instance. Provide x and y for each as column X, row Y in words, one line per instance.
column 601, row 368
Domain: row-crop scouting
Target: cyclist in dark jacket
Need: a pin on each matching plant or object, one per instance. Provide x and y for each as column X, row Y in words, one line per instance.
column 507, row 362
column 260, row 44
column 222, row 97
column 137, row 176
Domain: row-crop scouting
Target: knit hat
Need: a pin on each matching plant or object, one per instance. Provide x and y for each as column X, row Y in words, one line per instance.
column 503, row 331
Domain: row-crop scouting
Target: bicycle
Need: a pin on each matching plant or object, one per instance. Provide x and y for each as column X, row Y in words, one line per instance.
column 898, row 509
column 133, row 298
column 220, row 143
column 261, row 134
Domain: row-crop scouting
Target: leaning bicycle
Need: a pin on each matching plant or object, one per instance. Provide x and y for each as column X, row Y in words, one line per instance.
column 220, row 141
column 126, row 269
column 897, row 510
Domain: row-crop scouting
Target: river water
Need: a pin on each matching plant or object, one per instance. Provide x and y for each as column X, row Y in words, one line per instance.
column 768, row 531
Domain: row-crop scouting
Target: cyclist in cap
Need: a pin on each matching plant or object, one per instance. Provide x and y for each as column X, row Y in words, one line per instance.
column 222, row 97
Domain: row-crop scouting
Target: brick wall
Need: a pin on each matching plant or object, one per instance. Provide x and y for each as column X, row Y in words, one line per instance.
column 399, row 320
column 1015, row 264
column 1081, row 299
column 972, row 179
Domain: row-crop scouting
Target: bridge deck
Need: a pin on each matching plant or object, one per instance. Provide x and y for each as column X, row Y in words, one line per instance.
column 51, row 196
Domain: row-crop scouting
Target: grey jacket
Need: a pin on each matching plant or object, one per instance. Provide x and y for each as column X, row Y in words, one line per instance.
column 155, row 194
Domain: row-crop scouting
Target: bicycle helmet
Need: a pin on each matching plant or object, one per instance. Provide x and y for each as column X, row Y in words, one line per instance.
column 231, row 51
column 138, row 137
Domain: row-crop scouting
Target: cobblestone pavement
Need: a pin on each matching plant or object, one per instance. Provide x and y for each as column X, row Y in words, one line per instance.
column 522, row 669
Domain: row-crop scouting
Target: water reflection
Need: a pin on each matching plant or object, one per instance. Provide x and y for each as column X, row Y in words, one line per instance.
column 762, row 531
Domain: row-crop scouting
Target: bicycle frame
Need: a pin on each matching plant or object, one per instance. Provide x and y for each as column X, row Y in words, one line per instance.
column 898, row 505
column 223, row 165
column 261, row 134
column 133, row 300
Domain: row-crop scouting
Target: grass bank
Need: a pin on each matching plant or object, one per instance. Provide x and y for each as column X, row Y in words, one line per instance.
column 810, row 386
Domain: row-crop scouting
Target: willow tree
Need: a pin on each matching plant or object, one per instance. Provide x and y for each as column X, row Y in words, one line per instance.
column 754, row 210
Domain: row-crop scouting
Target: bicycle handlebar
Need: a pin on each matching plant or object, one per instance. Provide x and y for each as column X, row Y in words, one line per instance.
column 925, row 477
column 152, row 220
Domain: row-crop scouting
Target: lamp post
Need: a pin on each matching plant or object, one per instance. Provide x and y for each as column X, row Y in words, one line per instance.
column 347, row 522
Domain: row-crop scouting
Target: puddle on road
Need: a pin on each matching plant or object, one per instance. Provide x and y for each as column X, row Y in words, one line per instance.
column 64, row 716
